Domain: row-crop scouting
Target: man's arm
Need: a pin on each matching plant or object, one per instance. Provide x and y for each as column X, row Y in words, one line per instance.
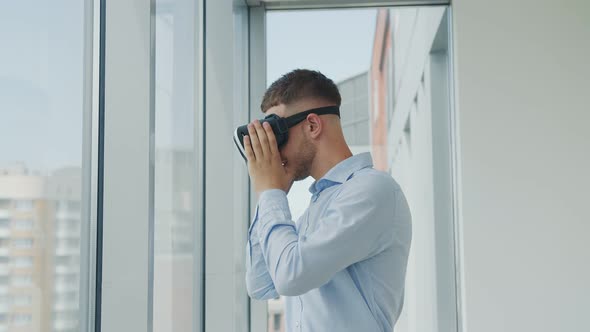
column 357, row 225
column 258, row 282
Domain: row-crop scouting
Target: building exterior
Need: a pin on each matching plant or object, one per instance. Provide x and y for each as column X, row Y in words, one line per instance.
column 39, row 250
column 381, row 87
column 354, row 111
column 63, row 230
column 23, row 282
column 411, row 140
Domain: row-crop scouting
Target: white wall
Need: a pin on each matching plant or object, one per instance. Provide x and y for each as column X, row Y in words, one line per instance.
column 523, row 80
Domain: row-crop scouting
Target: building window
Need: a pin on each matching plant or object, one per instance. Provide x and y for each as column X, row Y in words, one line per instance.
column 23, row 300
column 23, row 225
column 22, row 243
column 4, row 299
column 22, row 262
column 22, row 280
column 21, row 319
column 277, row 322
column 23, row 205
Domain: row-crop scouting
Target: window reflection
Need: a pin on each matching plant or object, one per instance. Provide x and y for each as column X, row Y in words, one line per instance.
column 41, row 109
column 175, row 166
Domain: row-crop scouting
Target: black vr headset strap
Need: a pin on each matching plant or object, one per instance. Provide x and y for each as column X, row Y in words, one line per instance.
column 295, row 119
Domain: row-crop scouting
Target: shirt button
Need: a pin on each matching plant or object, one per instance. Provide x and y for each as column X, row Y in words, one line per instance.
column 297, row 324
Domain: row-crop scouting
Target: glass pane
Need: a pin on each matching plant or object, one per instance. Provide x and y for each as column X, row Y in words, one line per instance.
column 41, row 114
column 391, row 69
column 174, row 307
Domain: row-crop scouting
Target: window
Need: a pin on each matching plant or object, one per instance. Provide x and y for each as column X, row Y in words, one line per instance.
column 67, row 279
column 23, row 224
column 23, row 300
column 23, row 205
column 21, row 319
column 4, row 223
column 22, row 280
column 42, row 98
column 403, row 89
column 277, row 322
column 22, row 243
column 176, row 88
column 22, row 262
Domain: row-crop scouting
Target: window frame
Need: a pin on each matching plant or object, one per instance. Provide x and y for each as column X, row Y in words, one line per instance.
column 124, row 123
column 119, row 159
column 124, row 260
column 258, row 9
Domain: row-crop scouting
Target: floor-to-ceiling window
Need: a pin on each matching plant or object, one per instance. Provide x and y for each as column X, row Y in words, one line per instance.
column 391, row 66
column 175, row 173
column 45, row 140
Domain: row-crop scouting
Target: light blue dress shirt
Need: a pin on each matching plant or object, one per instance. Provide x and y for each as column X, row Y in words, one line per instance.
column 342, row 266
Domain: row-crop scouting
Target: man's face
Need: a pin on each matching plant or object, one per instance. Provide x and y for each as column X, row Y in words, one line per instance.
column 298, row 153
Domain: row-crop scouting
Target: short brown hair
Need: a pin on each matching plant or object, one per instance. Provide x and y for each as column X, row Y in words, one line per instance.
column 299, row 84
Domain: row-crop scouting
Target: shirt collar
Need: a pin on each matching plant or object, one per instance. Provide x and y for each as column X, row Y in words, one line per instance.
column 343, row 170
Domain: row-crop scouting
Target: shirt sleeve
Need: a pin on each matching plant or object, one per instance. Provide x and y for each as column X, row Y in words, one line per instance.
column 356, row 225
column 258, row 281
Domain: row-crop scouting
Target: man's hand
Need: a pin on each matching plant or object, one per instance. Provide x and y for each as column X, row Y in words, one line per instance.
column 264, row 160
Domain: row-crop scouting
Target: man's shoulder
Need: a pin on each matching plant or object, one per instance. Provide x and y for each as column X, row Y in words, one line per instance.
column 371, row 180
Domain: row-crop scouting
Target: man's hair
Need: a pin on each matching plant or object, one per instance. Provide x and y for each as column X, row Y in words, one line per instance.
column 300, row 84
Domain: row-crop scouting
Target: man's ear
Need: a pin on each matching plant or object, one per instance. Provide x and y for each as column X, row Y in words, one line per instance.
column 314, row 125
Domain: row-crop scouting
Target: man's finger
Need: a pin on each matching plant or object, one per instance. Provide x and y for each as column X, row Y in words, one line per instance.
column 272, row 141
column 255, row 142
column 248, row 149
column 262, row 138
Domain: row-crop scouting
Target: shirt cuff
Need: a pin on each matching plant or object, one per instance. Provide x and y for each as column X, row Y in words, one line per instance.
column 273, row 209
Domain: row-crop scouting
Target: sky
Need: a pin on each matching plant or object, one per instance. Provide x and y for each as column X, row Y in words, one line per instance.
column 41, row 69
column 336, row 42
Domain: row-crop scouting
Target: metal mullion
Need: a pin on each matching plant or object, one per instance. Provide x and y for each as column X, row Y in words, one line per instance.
column 257, row 86
column 88, row 245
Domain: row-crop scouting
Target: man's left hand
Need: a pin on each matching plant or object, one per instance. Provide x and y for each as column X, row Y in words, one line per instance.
column 264, row 160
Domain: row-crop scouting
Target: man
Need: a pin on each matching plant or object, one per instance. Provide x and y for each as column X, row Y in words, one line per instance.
column 342, row 266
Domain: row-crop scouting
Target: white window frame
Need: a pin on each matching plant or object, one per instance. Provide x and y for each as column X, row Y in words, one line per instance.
column 258, row 311
column 226, row 207
column 124, row 123
column 88, row 229
column 125, row 263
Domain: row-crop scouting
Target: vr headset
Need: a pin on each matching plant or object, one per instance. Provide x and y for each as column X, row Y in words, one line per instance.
column 280, row 126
